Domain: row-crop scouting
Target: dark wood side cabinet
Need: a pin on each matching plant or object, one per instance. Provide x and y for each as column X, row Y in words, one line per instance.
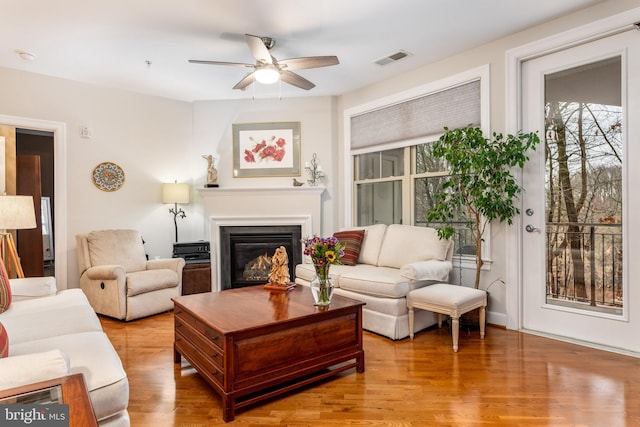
column 196, row 278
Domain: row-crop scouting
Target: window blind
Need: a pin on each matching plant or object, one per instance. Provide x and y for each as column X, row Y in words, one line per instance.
column 426, row 115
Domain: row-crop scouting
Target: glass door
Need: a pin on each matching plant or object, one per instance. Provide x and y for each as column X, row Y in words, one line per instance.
column 576, row 239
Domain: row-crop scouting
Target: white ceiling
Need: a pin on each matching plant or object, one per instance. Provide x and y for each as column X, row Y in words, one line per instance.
column 109, row 42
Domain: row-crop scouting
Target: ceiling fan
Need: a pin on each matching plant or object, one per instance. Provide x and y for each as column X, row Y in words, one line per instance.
column 268, row 69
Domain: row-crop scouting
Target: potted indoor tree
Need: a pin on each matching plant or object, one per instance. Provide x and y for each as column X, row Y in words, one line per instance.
column 481, row 185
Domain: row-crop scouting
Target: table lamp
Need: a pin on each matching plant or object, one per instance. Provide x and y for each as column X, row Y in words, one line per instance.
column 175, row 193
column 16, row 213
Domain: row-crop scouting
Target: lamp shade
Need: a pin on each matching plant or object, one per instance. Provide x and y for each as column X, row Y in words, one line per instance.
column 175, row 192
column 17, row 213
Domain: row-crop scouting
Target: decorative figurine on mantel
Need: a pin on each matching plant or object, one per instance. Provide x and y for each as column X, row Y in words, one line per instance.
column 279, row 279
column 212, row 173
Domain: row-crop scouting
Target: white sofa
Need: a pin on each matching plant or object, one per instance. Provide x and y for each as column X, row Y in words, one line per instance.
column 393, row 260
column 52, row 334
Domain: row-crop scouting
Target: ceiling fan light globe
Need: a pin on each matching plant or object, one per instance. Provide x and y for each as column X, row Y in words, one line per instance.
column 267, row 75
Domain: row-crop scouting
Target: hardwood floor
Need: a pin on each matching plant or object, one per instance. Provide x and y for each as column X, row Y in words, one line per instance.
column 509, row 378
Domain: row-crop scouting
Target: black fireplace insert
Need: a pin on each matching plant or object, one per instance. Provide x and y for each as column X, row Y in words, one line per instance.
column 246, row 251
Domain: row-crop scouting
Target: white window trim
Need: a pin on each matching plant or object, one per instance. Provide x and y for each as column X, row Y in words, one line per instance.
column 482, row 73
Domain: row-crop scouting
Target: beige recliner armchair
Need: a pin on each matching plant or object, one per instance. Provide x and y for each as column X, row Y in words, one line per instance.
column 118, row 279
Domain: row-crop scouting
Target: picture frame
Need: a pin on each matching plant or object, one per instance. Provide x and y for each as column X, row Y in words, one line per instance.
column 266, row 149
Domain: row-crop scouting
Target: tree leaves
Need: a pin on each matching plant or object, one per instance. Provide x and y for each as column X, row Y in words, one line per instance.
column 481, row 181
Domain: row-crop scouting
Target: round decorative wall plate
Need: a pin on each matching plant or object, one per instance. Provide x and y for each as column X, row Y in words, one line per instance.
column 108, row 176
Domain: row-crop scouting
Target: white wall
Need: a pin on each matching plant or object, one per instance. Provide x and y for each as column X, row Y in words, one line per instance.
column 318, row 134
column 149, row 137
column 494, row 55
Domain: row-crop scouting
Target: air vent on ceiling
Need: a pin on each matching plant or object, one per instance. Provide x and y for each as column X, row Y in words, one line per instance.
column 397, row 56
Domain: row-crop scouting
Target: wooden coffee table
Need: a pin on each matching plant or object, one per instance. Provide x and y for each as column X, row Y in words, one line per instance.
column 251, row 344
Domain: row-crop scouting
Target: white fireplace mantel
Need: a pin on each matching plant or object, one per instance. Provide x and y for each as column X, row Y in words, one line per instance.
column 287, row 191
column 258, row 206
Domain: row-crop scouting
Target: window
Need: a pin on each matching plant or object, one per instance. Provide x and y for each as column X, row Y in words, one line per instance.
column 381, row 182
column 379, row 177
column 388, row 152
column 429, row 175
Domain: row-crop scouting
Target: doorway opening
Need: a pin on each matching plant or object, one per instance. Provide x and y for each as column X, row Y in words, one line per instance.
column 35, row 176
column 59, row 131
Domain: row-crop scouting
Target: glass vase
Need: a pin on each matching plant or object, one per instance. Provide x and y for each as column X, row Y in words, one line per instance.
column 321, row 285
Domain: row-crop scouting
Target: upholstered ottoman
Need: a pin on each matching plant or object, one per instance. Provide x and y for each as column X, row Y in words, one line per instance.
column 448, row 299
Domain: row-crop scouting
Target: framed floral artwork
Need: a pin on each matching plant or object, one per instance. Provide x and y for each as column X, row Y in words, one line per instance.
column 266, row 149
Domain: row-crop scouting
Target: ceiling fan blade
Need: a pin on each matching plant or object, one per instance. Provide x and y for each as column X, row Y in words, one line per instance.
column 233, row 64
column 309, row 62
column 258, row 49
column 296, row 80
column 246, row 81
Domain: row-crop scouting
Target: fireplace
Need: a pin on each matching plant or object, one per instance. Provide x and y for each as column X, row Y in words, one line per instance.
column 271, row 207
column 246, row 251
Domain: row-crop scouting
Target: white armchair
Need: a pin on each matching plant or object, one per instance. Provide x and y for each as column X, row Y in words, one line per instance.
column 118, row 279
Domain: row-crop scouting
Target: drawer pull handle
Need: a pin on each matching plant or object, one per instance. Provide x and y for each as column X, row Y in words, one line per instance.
column 214, row 355
column 215, row 371
column 214, row 338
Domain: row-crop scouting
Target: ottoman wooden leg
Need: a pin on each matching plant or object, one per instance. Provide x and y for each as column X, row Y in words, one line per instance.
column 411, row 322
column 455, row 332
column 482, row 320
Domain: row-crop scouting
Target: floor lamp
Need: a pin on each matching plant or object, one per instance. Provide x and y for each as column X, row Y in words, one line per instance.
column 16, row 213
column 175, row 193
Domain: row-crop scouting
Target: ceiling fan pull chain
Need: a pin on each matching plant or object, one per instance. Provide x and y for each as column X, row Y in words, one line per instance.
column 253, row 89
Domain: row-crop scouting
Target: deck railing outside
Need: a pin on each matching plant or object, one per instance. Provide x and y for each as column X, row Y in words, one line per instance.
column 601, row 255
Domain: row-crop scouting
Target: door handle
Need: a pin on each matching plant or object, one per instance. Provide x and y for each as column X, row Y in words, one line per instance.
column 531, row 229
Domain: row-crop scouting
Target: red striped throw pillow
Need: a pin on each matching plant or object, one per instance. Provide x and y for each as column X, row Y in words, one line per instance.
column 4, row 342
column 352, row 239
column 5, row 288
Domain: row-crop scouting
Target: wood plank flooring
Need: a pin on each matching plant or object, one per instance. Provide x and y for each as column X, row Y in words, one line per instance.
column 509, row 378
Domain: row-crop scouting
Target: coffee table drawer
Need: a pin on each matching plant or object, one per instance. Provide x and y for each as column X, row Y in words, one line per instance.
column 211, row 335
column 186, row 331
column 196, row 340
column 203, row 364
